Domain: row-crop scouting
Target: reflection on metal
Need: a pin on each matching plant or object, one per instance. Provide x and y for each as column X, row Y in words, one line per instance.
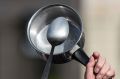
column 40, row 22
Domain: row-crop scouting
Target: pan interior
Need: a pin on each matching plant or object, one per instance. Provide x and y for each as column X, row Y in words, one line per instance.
column 39, row 23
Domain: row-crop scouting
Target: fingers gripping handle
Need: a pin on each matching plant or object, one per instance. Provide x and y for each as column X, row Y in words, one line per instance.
column 81, row 56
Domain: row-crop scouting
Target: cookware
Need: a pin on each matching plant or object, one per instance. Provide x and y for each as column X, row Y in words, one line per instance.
column 71, row 47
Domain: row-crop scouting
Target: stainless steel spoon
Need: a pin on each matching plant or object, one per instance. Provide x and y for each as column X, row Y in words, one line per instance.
column 57, row 33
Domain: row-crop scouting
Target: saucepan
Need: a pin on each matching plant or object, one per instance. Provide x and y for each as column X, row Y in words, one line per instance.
column 71, row 48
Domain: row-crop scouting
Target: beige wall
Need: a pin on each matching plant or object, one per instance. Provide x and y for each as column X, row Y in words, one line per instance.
column 101, row 24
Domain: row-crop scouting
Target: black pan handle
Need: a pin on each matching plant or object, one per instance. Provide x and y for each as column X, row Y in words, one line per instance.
column 81, row 56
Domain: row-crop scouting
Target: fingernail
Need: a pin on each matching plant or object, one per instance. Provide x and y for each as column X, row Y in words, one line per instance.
column 91, row 59
column 105, row 77
column 96, row 70
column 98, row 76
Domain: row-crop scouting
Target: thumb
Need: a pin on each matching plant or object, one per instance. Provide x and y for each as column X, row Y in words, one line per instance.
column 89, row 69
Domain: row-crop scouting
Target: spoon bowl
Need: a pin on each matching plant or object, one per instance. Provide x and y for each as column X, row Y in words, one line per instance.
column 58, row 31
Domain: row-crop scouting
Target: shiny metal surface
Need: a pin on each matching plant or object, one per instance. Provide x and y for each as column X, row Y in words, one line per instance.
column 58, row 31
column 39, row 24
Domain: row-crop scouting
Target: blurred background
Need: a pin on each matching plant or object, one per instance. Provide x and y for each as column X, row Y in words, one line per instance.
column 101, row 25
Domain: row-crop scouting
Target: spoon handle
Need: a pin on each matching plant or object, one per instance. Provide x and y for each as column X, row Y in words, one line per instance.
column 48, row 65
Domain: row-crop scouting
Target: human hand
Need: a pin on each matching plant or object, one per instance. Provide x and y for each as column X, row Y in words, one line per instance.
column 98, row 68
